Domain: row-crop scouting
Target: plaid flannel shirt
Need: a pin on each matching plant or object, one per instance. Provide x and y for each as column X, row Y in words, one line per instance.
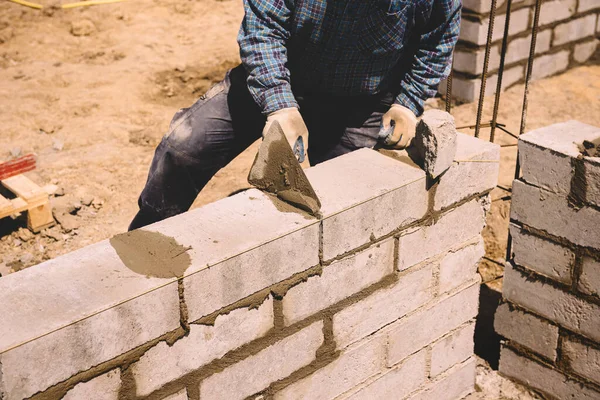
column 347, row 47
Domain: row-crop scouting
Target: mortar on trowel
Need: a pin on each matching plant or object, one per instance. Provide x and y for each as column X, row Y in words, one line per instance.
column 277, row 170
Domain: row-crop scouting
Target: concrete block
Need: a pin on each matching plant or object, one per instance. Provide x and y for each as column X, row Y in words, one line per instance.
column 586, row 5
column 518, row 49
column 467, row 177
column 533, row 206
column 542, row 378
column 455, row 384
column 471, row 61
column 546, row 153
column 454, row 227
column 69, row 288
column 358, row 192
column 104, row 387
column 476, row 31
column 396, row 383
column 584, row 360
column 541, row 255
column 460, row 266
column 163, row 363
column 339, row 281
column 481, row 6
column 556, row 305
column 583, row 51
column 354, row 365
column 452, row 349
column 424, row 327
column 589, row 281
column 468, row 89
column 257, row 372
column 239, row 246
column 528, row 330
column 89, row 342
column 435, row 141
column 382, row 307
column 550, row 64
column 181, row 395
column 557, row 10
column 574, row 30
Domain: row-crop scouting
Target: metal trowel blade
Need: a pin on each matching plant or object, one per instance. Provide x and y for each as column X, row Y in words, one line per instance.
column 276, row 170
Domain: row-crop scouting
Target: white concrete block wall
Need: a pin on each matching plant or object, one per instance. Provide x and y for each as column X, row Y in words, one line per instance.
column 552, row 316
column 567, row 36
column 270, row 302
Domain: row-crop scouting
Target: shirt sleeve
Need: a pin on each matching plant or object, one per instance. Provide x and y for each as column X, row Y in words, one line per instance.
column 432, row 61
column 262, row 38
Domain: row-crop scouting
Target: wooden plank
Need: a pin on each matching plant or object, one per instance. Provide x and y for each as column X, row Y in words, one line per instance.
column 19, row 205
column 40, row 217
column 17, row 166
column 24, row 188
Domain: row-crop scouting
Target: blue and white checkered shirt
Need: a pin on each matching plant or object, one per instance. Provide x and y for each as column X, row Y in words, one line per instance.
column 346, row 48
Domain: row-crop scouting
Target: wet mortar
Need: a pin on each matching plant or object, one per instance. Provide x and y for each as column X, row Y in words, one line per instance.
column 151, row 254
column 276, row 170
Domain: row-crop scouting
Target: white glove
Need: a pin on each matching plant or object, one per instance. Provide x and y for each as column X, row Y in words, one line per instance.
column 294, row 129
column 398, row 127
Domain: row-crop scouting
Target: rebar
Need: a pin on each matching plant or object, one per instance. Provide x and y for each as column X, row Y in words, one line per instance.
column 486, row 61
column 449, row 86
column 500, row 70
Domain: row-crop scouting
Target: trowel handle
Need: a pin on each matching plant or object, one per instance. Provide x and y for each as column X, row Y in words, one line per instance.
column 299, row 149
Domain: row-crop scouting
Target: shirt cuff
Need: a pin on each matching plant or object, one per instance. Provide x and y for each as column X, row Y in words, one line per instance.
column 408, row 101
column 277, row 98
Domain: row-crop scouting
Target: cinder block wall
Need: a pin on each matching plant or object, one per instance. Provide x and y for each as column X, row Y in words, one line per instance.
column 551, row 320
column 568, row 36
column 249, row 298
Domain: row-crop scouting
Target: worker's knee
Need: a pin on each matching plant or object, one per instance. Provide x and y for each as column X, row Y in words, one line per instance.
column 191, row 129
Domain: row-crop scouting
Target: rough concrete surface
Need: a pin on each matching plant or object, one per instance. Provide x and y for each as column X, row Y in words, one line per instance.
column 104, row 387
column 269, row 365
column 354, row 366
column 543, row 378
column 527, row 330
column 435, row 141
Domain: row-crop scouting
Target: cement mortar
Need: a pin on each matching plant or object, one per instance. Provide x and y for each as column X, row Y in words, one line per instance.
column 151, row 254
column 276, row 170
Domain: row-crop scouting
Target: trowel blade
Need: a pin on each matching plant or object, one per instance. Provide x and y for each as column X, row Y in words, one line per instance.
column 276, row 170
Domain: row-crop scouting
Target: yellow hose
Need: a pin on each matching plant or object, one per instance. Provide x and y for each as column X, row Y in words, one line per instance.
column 87, row 3
column 28, row 4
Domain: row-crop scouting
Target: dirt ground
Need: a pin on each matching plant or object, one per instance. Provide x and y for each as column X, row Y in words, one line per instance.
column 92, row 90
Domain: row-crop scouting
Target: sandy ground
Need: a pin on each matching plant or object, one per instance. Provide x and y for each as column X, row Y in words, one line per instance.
column 92, row 90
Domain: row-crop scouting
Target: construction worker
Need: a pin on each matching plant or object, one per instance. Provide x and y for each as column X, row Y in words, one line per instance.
column 351, row 72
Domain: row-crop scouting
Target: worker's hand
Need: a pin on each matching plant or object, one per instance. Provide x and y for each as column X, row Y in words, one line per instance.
column 294, row 129
column 398, row 127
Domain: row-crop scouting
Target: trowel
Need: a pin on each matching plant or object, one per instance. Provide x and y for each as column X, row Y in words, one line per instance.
column 277, row 170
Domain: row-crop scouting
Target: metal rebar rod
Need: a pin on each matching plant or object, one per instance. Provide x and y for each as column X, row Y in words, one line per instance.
column 449, row 86
column 486, row 61
column 534, row 29
column 501, row 70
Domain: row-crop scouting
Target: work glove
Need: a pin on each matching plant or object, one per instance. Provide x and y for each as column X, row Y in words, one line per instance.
column 294, row 129
column 398, row 127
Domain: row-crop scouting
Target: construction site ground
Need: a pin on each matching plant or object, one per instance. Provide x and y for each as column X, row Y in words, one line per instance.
column 92, row 90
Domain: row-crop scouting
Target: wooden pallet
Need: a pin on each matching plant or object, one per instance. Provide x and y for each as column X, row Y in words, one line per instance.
column 31, row 198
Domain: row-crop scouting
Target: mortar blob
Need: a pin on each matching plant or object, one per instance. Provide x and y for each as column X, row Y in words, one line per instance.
column 151, row 253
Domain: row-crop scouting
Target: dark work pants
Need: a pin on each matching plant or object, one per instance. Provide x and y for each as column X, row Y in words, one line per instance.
column 205, row 137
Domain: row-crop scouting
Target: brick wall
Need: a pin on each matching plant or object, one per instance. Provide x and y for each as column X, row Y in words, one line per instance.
column 567, row 36
column 551, row 318
column 375, row 300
